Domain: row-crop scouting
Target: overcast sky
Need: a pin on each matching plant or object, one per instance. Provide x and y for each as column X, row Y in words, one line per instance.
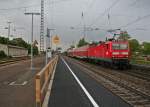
column 130, row 15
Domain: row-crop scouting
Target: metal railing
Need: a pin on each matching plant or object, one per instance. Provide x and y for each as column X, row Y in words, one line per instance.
column 42, row 80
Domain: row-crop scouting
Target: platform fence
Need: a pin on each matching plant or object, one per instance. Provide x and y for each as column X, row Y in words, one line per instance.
column 42, row 80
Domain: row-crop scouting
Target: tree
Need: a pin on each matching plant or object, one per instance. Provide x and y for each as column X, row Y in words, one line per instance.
column 19, row 42
column 3, row 40
column 2, row 54
column 124, row 35
column 72, row 46
column 59, row 48
column 35, row 50
column 82, row 42
column 146, row 48
column 134, row 45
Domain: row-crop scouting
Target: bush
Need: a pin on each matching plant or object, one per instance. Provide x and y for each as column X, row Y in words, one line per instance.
column 2, row 54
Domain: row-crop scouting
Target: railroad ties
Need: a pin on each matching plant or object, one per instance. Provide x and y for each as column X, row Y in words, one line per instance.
column 134, row 94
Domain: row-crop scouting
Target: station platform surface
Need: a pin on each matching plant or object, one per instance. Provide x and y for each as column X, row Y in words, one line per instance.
column 74, row 88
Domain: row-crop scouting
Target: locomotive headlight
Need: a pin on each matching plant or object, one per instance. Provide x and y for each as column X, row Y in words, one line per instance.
column 115, row 53
column 107, row 53
column 124, row 53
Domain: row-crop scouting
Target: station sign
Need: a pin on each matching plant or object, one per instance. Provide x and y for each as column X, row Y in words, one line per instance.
column 56, row 40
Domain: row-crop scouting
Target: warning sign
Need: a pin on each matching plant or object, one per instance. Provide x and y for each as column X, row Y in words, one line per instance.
column 56, row 40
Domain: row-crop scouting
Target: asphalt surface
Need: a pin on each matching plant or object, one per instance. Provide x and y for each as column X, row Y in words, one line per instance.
column 17, row 83
column 66, row 92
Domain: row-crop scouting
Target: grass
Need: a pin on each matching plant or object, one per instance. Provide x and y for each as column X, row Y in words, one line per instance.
column 140, row 61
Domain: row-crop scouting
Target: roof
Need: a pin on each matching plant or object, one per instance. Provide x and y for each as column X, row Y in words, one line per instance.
column 18, row 47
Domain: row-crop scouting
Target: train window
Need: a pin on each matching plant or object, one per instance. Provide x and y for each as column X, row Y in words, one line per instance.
column 117, row 46
column 123, row 46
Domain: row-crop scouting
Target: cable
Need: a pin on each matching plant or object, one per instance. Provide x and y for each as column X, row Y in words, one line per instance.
column 90, row 5
column 5, row 9
column 29, row 6
column 135, row 21
column 108, row 9
column 134, row 2
column 85, row 13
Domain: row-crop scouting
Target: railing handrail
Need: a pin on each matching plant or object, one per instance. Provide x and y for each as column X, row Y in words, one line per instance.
column 42, row 79
column 42, row 71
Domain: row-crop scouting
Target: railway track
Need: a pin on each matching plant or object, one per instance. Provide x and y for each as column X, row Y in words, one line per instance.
column 131, row 89
column 139, row 74
column 139, row 71
column 13, row 60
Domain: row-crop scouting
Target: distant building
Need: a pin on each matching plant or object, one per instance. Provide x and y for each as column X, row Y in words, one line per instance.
column 14, row 51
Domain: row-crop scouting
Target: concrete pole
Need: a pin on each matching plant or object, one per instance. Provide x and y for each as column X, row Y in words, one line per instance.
column 32, row 45
column 46, row 46
column 32, row 38
column 8, row 36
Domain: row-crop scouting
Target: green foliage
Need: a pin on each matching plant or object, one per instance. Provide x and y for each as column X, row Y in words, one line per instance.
column 124, row 35
column 94, row 43
column 3, row 40
column 134, row 45
column 19, row 42
column 15, row 42
column 35, row 50
column 72, row 46
column 82, row 42
column 146, row 48
column 2, row 54
column 59, row 48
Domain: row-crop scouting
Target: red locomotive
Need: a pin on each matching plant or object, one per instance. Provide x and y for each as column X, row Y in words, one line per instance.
column 114, row 53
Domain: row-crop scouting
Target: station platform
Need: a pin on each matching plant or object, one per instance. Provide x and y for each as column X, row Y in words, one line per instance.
column 72, row 87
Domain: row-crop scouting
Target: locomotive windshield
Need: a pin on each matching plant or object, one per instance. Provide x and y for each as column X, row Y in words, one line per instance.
column 117, row 46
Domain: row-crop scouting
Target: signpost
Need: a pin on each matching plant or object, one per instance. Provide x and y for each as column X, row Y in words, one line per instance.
column 56, row 40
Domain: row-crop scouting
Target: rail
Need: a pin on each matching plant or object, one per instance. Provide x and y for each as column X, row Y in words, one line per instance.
column 42, row 80
column 5, row 62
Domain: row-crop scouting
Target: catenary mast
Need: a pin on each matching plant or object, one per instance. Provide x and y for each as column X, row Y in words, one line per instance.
column 42, row 27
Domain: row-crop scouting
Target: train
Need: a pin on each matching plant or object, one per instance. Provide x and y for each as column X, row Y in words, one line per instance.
column 114, row 53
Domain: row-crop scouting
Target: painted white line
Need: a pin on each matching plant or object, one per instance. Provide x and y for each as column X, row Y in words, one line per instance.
column 14, row 83
column 25, row 82
column 81, row 85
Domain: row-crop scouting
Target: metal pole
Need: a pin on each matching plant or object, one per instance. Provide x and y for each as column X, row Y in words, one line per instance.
column 42, row 27
column 48, row 35
column 51, row 41
column 46, row 46
column 8, row 36
column 32, row 45
column 84, row 26
column 32, row 38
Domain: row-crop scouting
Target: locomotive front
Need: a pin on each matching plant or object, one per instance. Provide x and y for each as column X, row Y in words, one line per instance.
column 120, row 53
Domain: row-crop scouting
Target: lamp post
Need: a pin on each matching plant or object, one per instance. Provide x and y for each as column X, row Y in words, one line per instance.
column 8, row 35
column 32, row 14
column 50, row 36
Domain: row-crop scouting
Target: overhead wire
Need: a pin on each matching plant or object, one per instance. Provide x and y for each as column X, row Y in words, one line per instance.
column 16, row 8
column 135, row 21
column 29, row 6
column 105, row 12
column 134, row 2
column 86, row 11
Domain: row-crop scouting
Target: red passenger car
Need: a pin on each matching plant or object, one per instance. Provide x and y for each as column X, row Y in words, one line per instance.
column 110, row 52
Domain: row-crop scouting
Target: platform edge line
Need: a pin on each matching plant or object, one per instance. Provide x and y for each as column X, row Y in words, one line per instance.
column 81, row 85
